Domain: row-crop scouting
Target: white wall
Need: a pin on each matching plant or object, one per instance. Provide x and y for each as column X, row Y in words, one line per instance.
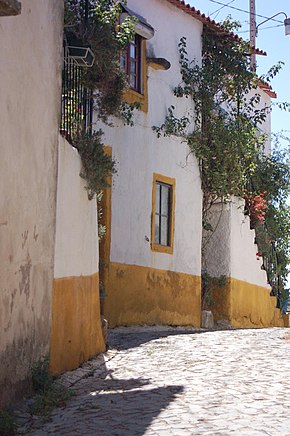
column 244, row 263
column 76, row 244
column 139, row 154
column 170, row 24
column 265, row 102
column 216, row 259
column 231, row 250
column 30, row 79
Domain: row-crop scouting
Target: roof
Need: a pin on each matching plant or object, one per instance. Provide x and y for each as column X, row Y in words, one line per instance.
column 139, row 17
column 215, row 26
column 267, row 89
column 221, row 30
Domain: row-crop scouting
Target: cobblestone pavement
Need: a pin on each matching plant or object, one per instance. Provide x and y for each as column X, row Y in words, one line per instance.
column 166, row 381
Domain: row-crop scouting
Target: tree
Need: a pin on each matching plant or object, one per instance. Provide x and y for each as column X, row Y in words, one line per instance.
column 224, row 135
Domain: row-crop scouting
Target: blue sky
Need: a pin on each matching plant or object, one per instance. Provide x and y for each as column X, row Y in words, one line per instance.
column 271, row 40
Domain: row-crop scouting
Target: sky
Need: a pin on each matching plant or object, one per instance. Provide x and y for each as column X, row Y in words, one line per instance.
column 271, row 40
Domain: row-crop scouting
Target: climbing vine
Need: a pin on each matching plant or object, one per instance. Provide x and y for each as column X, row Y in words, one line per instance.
column 96, row 24
column 224, row 133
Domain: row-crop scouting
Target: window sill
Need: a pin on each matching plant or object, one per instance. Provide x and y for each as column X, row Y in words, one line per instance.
column 162, row 248
column 131, row 96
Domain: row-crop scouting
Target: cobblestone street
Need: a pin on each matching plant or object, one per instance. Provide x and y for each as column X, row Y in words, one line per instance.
column 166, row 381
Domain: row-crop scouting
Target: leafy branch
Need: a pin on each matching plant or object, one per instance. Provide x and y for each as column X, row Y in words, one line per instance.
column 226, row 137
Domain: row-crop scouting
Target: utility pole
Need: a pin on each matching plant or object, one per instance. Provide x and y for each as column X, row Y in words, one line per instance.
column 253, row 33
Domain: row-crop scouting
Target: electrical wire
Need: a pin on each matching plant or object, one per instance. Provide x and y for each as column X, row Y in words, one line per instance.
column 243, row 10
column 218, row 10
column 262, row 28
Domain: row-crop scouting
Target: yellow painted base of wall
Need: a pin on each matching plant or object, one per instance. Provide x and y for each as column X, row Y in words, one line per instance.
column 139, row 295
column 286, row 320
column 76, row 333
column 246, row 305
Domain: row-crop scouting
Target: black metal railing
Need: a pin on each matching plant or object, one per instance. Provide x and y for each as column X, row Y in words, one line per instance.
column 76, row 103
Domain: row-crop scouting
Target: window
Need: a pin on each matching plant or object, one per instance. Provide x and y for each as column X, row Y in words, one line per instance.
column 162, row 233
column 131, row 62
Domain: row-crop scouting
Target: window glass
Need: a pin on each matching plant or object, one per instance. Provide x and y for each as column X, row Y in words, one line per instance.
column 164, row 237
column 130, row 61
column 133, row 81
column 165, row 200
column 156, row 231
column 132, row 50
column 133, row 68
column 162, row 214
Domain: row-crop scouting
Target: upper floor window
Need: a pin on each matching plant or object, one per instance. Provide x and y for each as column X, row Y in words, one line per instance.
column 131, row 62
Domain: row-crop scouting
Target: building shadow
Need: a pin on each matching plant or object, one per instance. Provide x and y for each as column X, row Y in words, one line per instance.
column 123, row 340
column 110, row 413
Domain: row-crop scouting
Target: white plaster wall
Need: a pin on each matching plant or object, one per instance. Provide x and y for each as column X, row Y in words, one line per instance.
column 231, row 249
column 137, row 160
column 76, row 244
column 265, row 102
column 140, row 153
column 216, row 258
column 244, row 263
column 30, row 79
column 170, row 24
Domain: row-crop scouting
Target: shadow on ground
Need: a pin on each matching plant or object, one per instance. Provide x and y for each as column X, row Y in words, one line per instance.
column 123, row 340
column 109, row 412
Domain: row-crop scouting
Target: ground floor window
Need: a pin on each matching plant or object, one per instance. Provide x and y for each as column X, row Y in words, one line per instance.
column 163, row 203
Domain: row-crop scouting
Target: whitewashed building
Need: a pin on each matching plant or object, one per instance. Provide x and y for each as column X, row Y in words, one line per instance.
column 152, row 262
column 151, row 256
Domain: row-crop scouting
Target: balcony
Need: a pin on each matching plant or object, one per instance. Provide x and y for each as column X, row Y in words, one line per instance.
column 77, row 101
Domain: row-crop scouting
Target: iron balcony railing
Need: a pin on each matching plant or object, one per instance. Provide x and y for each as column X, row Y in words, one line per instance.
column 76, row 102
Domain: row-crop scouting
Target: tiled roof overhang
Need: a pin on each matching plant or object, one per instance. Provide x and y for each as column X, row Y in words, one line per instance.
column 213, row 25
column 267, row 89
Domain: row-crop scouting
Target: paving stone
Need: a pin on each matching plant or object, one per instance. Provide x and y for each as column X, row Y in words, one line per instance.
column 158, row 381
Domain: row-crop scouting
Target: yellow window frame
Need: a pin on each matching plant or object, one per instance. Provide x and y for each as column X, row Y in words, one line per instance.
column 172, row 183
column 131, row 96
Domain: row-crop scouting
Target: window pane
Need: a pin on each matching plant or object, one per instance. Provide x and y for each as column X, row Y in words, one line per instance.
column 133, row 81
column 157, row 208
column 164, row 231
column 165, row 192
column 133, row 67
column 156, row 230
column 132, row 50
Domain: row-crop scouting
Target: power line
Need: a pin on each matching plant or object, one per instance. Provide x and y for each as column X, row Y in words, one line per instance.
column 243, row 10
column 219, row 9
column 262, row 28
